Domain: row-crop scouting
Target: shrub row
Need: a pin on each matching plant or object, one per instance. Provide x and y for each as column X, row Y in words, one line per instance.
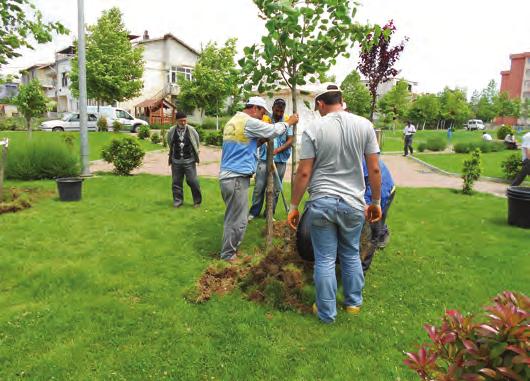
column 433, row 144
column 213, row 138
column 483, row 146
column 36, row 160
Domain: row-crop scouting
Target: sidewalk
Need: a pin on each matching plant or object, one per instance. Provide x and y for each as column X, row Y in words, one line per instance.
column 405, row 171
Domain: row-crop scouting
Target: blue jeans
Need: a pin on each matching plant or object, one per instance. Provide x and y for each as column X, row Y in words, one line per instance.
column 258, row 196
column 336, row 230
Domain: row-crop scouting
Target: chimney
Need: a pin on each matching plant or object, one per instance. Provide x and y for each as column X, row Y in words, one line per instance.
column 146, row 35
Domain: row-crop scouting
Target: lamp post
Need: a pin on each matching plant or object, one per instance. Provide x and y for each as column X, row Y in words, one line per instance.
column 83, row 119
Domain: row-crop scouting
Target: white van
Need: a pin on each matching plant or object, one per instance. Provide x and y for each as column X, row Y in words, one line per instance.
column 114, row 113
column 474, row 124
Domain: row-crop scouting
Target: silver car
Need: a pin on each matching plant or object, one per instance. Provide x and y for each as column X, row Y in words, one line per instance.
column 69, row 122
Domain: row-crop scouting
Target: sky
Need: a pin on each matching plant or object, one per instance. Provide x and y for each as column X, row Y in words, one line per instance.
column 455, row 43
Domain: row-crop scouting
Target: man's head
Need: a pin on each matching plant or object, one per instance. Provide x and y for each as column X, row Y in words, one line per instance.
column 256, row 107
column 278, row 109
column 409, row 122
column 329, row 100
column 181, row 119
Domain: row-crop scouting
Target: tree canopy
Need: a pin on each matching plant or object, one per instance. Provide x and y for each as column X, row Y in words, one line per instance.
column 114, row 68
column 215, row 78
column 31, row 101
column 425, row 109
column 394, row 105
column 356, row 95
column 20, row 20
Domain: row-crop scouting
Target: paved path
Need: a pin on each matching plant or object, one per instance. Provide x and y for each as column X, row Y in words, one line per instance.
column 405, row 171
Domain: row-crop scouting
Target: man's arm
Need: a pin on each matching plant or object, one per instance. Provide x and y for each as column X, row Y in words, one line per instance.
column 301, row 181
column 287, row 145
column 374, row 177
column 255, row 128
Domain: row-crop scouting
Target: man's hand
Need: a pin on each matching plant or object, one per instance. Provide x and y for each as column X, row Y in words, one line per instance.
column 373, row 213
column 293, row 119
column 293, row 218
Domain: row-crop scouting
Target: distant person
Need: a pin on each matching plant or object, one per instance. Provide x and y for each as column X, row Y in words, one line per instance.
column 238, row 163
column 449, row 134
column 183, row 142
column 380, row 232
column 510, row 142
column 408, row 134
column 282, row 153
column 525, row 171
column 486, row 137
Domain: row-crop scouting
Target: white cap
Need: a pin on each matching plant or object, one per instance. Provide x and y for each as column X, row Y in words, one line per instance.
column 326, row 90
column 258, row 101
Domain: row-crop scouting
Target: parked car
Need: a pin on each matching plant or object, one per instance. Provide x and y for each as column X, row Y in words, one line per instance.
column 69, row 122
column 474, row 124
column 113, row 113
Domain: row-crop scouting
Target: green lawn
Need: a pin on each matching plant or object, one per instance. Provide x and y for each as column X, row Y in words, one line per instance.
column 94, row 290
column 96, row 140
column 393, row 140
column 491, row 162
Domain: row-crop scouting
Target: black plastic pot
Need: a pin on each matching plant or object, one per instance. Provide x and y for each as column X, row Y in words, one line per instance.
column 303, row 238
column 519, row 206
column 69, row 188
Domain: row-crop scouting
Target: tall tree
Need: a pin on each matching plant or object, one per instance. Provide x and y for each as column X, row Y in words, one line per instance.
column 505, row 106
column 114, row 68
column 377, row 59
column 425, row 110
column 214, row 79
column 303, row 40
column 454, row 108
column 395, row 104
column 19, row 21
column 485, row 109
column 31, row 102
column 356, row 95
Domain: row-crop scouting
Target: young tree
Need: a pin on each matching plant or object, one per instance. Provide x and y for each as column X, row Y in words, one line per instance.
column 356, row 95
column 304, row 38
column 114, row 68
column 31, row 102
column 395, row 104
column 377, row 59
column 214, row 79
column 425, row 109
column 20, row 20
column 525, row 110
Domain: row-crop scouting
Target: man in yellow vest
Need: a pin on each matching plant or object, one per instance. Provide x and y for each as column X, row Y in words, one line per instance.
column 282, row 153
column 238, row 163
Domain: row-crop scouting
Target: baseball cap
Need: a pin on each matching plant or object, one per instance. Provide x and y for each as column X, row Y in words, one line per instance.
column 328, row 89
column 258, row 101
column 279, row 101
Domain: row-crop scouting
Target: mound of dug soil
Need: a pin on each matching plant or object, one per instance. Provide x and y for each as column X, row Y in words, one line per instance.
column 14, row 201
column 280, row 278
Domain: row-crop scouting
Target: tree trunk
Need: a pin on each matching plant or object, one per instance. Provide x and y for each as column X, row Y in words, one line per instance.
column 28, row 125
column 295, row 138
column 269, row 195
column 3, row 163
column 372, row 107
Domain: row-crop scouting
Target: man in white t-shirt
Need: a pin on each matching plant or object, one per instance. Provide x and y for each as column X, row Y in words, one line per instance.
column 408, row 133
column 331, row 158
column 486, row 137
column 525, row 150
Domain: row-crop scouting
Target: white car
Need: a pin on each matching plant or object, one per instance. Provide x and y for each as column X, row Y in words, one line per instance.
column 69, row 122
column 474, row 124
column 128, row 122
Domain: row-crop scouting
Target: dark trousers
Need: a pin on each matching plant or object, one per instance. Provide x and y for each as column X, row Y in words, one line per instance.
column 525, row 171
column 379, row 230
column 408, row 145
column 188, row 170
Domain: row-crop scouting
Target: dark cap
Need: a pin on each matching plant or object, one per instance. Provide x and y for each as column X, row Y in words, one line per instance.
column 180, row 115
column 279, row 102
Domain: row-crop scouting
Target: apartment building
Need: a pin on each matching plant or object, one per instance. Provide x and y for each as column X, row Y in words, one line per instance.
column 516, row 81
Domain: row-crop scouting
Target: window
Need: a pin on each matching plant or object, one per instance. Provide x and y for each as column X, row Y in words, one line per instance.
column 64, row 79
column 177, row 71
column 123, row 114
column 92, row 118
column 74, row 118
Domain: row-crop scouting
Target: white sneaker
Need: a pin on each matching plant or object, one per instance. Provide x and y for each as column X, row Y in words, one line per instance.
column 250, row 217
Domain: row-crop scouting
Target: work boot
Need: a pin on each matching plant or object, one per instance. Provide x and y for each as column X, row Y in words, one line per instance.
column 352, row 310
column 196, row 206
column 177, row 204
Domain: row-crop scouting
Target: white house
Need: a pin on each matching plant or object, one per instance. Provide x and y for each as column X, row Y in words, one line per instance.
column 44, row 73
column 385, row 87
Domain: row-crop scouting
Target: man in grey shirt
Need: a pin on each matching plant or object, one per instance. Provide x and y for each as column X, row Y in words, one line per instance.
column 331, row 165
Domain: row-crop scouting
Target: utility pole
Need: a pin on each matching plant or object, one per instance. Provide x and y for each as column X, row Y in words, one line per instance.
column 83, row 119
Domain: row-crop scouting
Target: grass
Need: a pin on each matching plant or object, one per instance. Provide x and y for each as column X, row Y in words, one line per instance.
column 93, row 290
column 96, row 140
column 491, row 162
column 393, row 140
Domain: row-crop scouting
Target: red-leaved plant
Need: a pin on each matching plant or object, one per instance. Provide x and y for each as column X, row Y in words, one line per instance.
column 465, row 349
